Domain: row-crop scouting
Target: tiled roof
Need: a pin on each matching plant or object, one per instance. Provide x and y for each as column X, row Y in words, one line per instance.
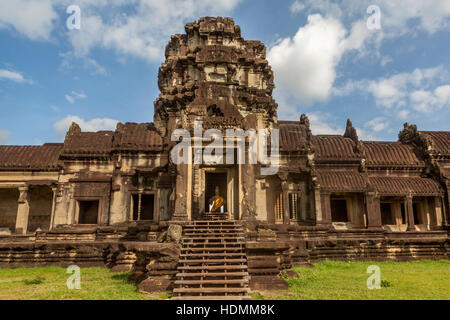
column 404, row 185
column 89, row 143
column 331, row 147
column 137, row 137
column 390, row 153
column 43, row 157
column 347, row 181
column 293, row 136
column 441, row 141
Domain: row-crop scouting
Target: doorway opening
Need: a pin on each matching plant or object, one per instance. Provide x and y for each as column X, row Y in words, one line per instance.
column 88, row 212
column 339, row 210
column 147, row 207
column 214, row 180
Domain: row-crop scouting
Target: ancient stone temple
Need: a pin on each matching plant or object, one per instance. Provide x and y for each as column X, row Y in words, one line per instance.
column 119, row 195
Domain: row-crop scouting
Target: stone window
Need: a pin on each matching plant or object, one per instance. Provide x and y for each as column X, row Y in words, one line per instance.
column 143, row 207
column 294, row 206
column 8, row 208
column 387, row 217
column 41, row 201
column 88, row 213
column 417, row 214
column 279, row 207
column 339, row 210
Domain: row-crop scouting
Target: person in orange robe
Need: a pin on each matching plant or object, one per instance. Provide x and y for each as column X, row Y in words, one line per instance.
column 216, row 202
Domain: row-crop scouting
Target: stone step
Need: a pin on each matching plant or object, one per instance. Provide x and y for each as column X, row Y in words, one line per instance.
column 202, row 229
column 211, row 290
column 212, row 298
column 218, row 282
column 214, row 245
column 213, row 238
column 212, row 274
column 191, row 235
column 208, row 254
column 211, row 225
column 214, row 223
column 228, row 267
column 212, row 249
column 224, row 261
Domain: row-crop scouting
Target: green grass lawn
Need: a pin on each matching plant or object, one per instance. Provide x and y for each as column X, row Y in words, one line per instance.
column 50, row 284
column 347, row 280
column 327, row 280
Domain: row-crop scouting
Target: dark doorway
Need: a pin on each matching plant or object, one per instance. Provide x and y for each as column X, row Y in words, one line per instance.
column 339, row 210
column 8, row 208
column 386, row 214
column 41, row 201
column 403, row 211
column 147, row 207
column 88, row 212
column 416, row 214
column 213, row 180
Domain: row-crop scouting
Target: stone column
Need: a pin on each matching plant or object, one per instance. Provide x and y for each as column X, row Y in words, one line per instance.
column 23, row 211
column 52, row 217
column 180, row 212
column 410, row 213
column 286, row 213
column 444, row 210
column 326, row 208
column 317, row 204
column 373, row 209
column 248, row 186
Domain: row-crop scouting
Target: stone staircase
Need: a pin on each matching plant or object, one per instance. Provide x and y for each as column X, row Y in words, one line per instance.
column 213, row 263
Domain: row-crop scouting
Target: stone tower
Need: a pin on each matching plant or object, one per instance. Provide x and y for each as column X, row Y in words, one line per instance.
column 212, row 74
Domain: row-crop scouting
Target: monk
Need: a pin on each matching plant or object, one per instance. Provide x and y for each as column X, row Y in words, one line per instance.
column 216, row 202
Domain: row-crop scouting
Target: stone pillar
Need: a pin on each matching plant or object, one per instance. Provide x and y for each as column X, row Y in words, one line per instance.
column 373, row 210
column 317, row 205
column 409, row 213
column 286, row 214
column 180, row 212
column 326, row 208
column 23, row 211
column 52, row 217
column 248, row 184
column 444, row 210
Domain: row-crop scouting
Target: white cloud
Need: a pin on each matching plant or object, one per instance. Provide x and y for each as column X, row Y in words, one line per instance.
column 33, row 18
column 75, row 96
column 92, row 125
column 403, row 114
column 144, row 31
column 397, row 17
column 427, row 101
column 422, row 90
column 12, row 76
column 377, row 124
column 325, row 123
column 4, row 136
column 297, row 6
column 140, row 28
column 79, row 95
column 305, row 65
column 88, row 63
column 69, row 98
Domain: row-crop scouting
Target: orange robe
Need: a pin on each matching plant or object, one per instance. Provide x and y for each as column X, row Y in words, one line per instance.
column 217, row 203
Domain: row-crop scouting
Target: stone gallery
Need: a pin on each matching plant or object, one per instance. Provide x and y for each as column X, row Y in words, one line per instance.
column 117, row 198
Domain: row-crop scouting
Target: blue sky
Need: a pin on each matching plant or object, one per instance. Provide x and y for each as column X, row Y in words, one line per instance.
column 328, row 63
